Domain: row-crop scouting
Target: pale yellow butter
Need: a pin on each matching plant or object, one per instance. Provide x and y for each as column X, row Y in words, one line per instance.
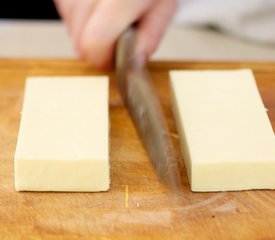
column 63, row 141
column 226, row 137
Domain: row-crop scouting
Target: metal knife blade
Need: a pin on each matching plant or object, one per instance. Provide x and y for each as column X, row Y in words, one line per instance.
column 145, row 110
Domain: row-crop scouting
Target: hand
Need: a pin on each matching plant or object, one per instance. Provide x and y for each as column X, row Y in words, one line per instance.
column 95, row 25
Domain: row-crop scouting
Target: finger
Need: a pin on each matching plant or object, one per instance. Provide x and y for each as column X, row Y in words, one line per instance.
column 80, row 16
column 75, row 14
column 152, row 27
column 105, row 25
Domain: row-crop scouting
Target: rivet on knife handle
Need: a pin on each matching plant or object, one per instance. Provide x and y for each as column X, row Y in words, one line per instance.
column 145, row 109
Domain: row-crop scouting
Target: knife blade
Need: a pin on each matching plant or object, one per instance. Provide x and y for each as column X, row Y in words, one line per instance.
column 145, row 110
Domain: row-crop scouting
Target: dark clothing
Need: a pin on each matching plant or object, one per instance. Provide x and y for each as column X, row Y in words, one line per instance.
column 28, row 9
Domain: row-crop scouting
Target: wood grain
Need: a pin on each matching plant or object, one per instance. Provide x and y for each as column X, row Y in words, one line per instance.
column 137, row 206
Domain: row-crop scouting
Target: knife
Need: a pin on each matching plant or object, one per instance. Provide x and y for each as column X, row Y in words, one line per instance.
column 145, row 110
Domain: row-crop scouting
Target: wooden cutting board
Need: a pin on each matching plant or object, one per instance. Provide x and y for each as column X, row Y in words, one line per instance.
column 137, row 205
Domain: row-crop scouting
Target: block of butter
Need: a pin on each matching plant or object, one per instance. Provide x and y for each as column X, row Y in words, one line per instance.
column 227, row 140
column 63, row 141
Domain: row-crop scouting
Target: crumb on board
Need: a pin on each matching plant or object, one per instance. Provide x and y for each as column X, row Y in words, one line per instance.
column 126, row 199
column 172, row 135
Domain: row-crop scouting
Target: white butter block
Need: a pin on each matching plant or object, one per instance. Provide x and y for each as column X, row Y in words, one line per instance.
column 226, row 137
column 63, row 142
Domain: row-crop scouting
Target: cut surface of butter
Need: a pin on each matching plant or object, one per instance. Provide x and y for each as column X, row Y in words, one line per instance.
column 63, row 141
column 227, row 140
